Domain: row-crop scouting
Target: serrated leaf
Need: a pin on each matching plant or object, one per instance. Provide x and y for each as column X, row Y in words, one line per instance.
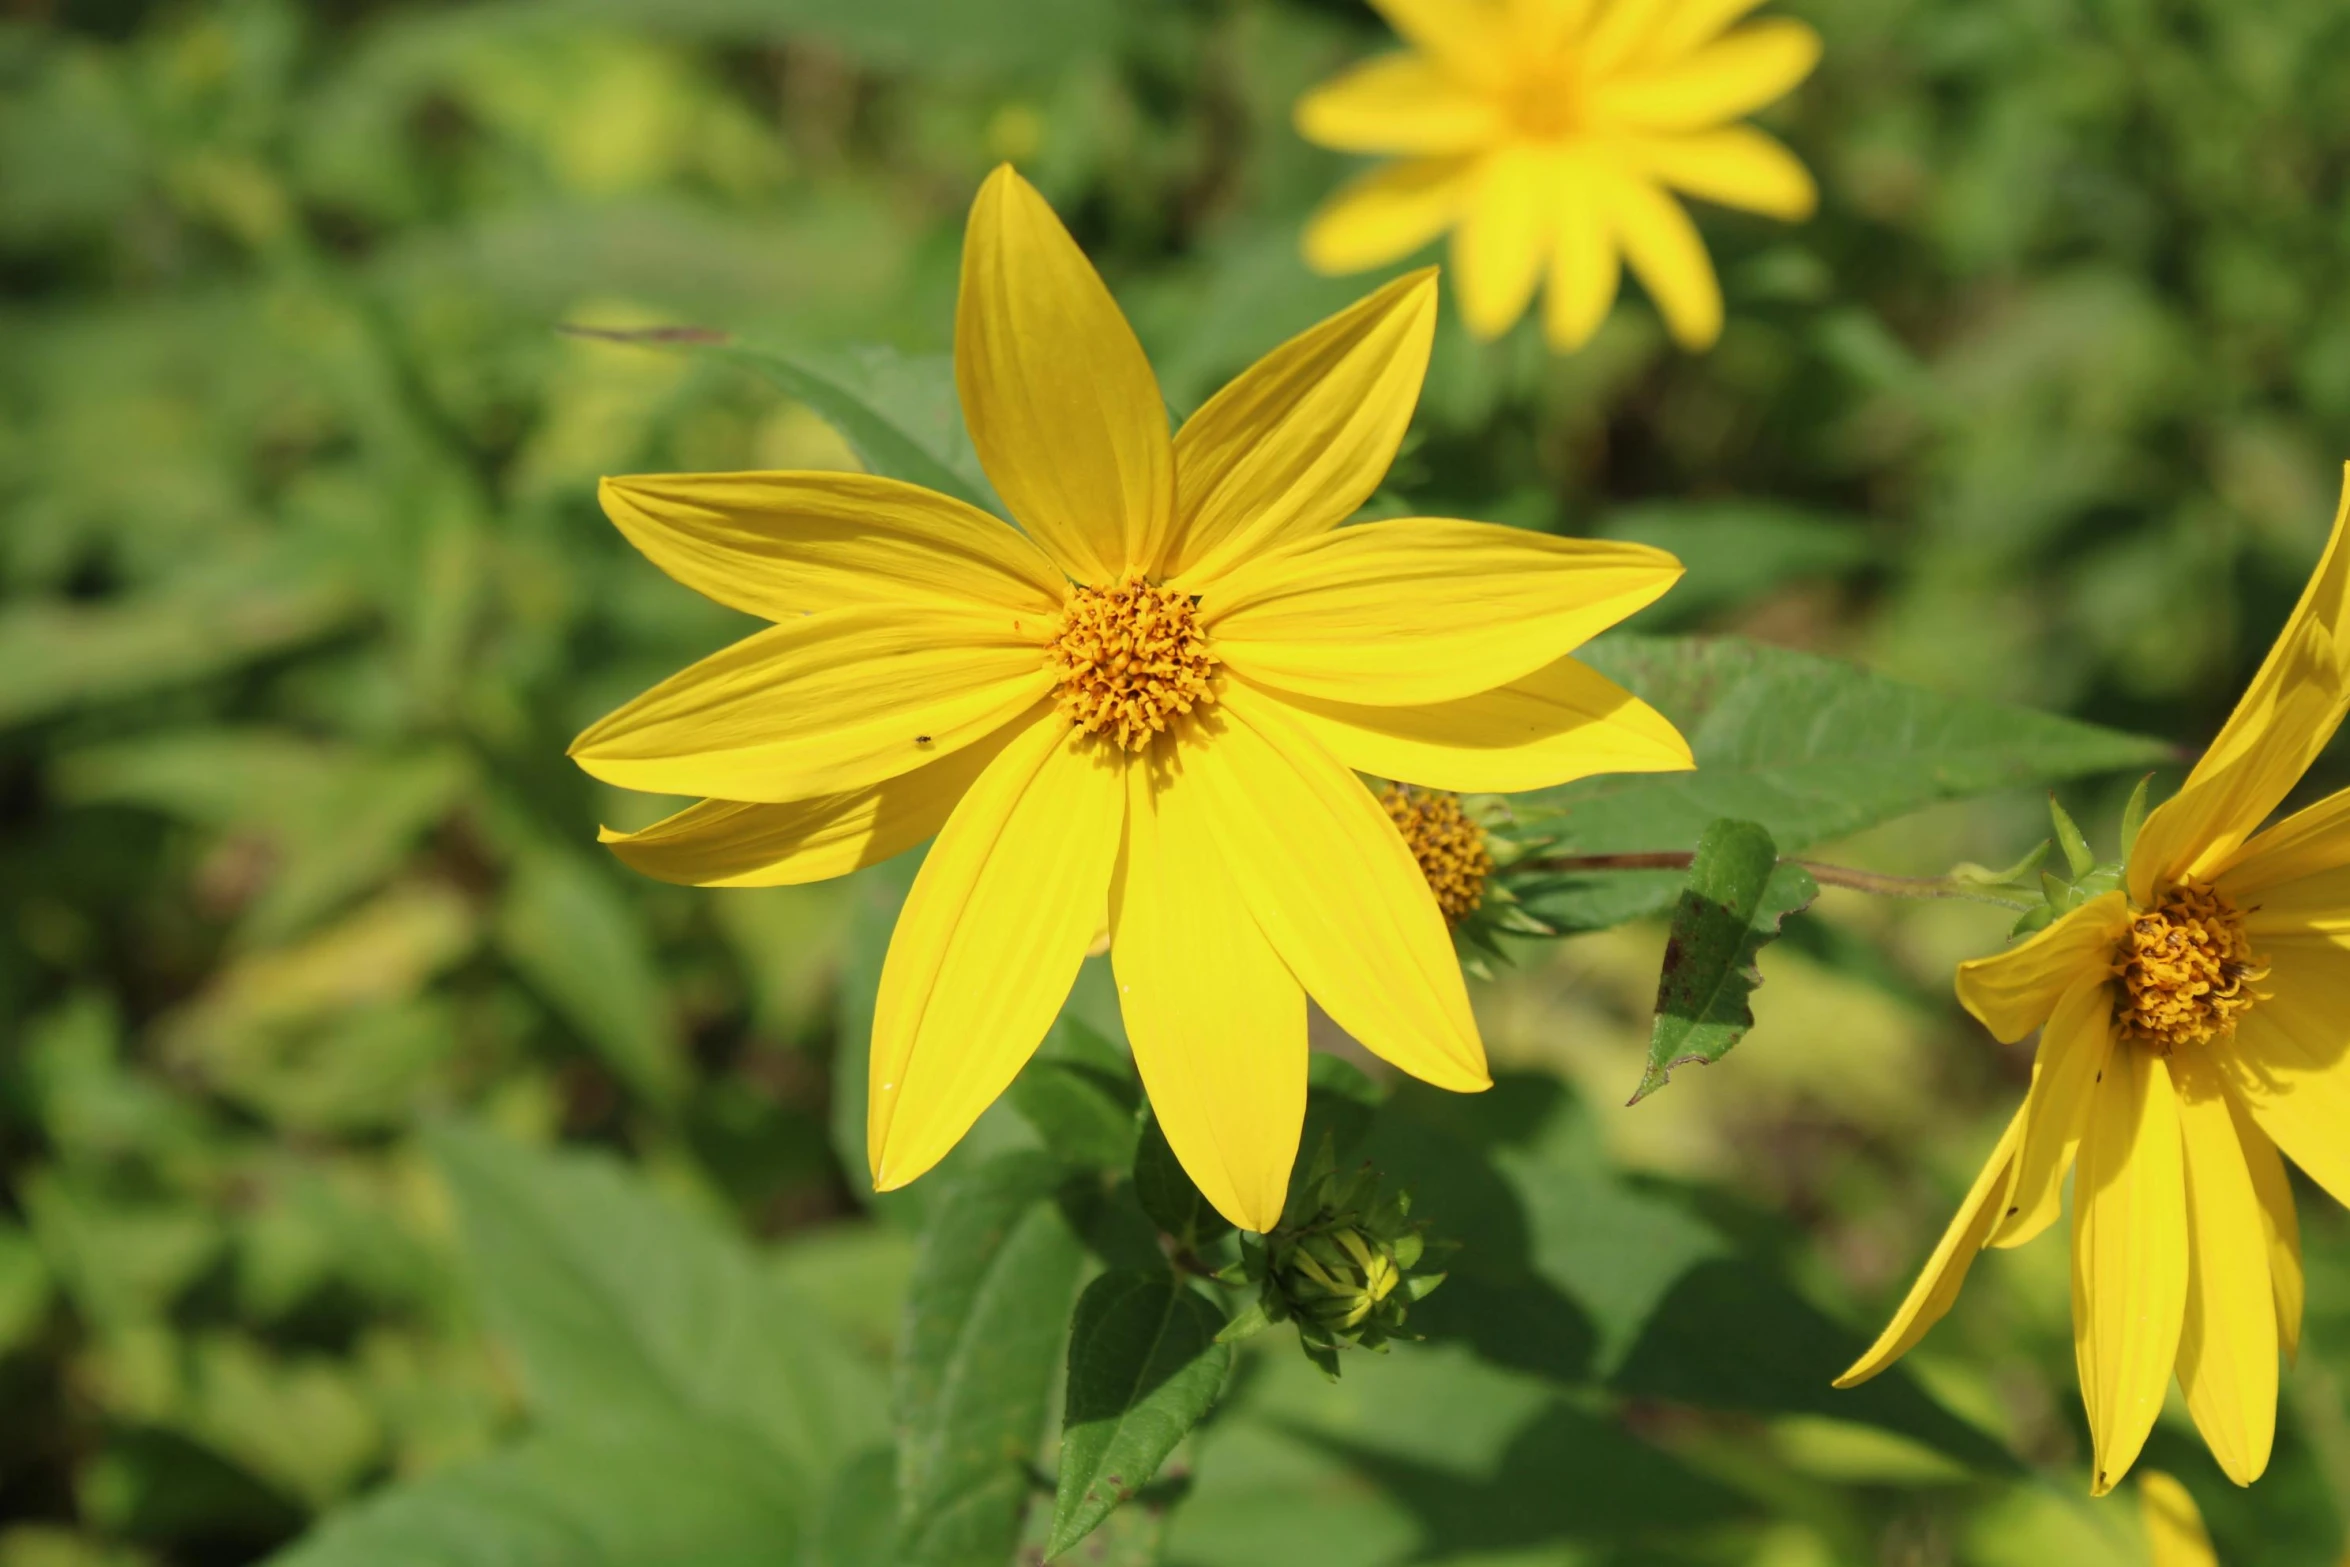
column 1737, row 894
column 1145, row 1367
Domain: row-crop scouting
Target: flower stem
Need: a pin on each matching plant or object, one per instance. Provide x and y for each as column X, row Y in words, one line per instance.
column 1826, row 875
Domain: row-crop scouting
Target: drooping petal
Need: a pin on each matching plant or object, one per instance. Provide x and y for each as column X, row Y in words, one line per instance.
column 2174, row 1527
column 2228, row 1342
column 1586, row 267
column 2013, row 992
column 2073, row 1052
column 2285, row 718
column 1736, row 166
column 822, row 704
column 1061, row 403
column 734, row 843
column 2280, row 1223
column 1562, row 722
column 1385, row 214
column 1294, row 443
column 1503, row 235
column 1421, row 609
column 2129, row 1257
column 778, row 545
column 1938, row 1283
column 1667, row 255
column 1398, row 103
column 2289, row 1062
column 1332, row 886
column 1217, row 1021
column 1467, row 38
column 990, row 940
column 1730, row 77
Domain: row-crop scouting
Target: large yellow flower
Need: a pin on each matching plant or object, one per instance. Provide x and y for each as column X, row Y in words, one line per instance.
column 1549, row 135
column 2192, row 1024
column 1145, row 712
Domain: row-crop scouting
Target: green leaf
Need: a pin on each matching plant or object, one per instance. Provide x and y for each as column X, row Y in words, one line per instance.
column 899, row 413
column 1165, row 1190
column 1737, row 894
column 24, row 1287
column 1080, row 1094
column 1734, row 552
column 1144, row 1368
column 982, row 1341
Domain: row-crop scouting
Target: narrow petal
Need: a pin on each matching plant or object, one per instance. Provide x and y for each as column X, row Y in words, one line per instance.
column 823, row 704
column 1669, row 258
column 989, row 941
column 1499, row 246
column 2290, row 1060
column 2072, row 1057
column 779, row 545
column 2174, row 1528
column 1586, row 266
column 1217, row 1021
column 2294, row 879
column 1467, row 38
column 2228, row 1342
column 733, row 843
column 2287, row 715
column 1421, row 610
column 1398, row 103
column 1938, row 1283
column 1736, row 166
column 2129, row 1258
column 1562, row 722
column 2280, row 1224
column 1725, row 79
column 1062, row 405
column 1294, row 443
column 1544, row 27
column 1692, row 24
column 1385, row 214
column 1332, row 886
column 1619, row 34
column 2014, row 992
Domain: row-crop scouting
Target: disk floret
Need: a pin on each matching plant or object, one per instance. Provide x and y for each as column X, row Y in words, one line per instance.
column 1132, row 660
column 1449, row 847
column 2187, row 970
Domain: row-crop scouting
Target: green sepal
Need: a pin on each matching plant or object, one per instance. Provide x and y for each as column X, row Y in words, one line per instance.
column 2078, row 856
column 2134, row 816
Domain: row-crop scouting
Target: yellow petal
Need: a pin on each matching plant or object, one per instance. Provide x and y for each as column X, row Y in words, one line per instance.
column 1736, row 166
column 1562, row 722
column 1619, row 33
column 2174, row 1528
column 1543, row 27
column 1334, row 889
column 1421, row 609
column 778, row 545
column 1692, row 23
column 2129, row 1257
column 2294, row 879
column 2073, row 1052
column 731, row 843
column 2287, row 715
column 989, row 941
column 2014, row 992
column 1727, row 78
column 1061, row 403
column 1468, row 38
column 2289, row 1062
column 1586, row 268
column 1668, row 257
column 2280, row 1224
column 2228, row 1341
column 1217, row 1021
column 1385, row 214
column 1498, row 248
column 1294, row 443
column 1938, row 1283
column 823, row 704
column 1398, row 103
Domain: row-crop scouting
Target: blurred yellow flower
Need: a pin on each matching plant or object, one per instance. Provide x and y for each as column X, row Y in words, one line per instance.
column 1549, row 136
column 1151, row 703
column 2193, row 1023
column 2174, row 1525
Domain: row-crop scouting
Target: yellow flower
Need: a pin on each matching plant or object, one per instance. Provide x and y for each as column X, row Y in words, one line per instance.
column 2174, row 1525
column 2193, row 1023
column 1143, row 712
column 1549, row 135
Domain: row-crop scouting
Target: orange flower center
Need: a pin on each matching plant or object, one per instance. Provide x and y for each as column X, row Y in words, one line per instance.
column 2187, row 970
column 1450, row 847
column 1132, row 660
column 1545, row 105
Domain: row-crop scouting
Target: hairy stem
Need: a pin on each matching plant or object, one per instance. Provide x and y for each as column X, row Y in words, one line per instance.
column 1826, row 875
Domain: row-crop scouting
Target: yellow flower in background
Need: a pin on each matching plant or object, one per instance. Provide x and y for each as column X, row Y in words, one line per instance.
column 2174, row 1525
column 1145, row 711
column 1549, row 137
column 2193, row 1023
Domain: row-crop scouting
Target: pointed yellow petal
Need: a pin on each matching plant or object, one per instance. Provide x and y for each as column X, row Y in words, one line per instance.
column 1385, row 214
column 2174, row 1528
column 2228, row 1342
column 2129, row 1257
column 1421, row 610
column 2287, row 715
column 822, row 704
column 1061, row 403
column 2014, row 992
column 779, row 545
column 1668, row 257
column 1334, row 889
column 731, row 843
column 2280, row 1224
column 1499, row 245
column 2289, row 1062
column 1938, row 1283
column 1217, row 1021
column 1293, row 444
column 1586, row 268
column 1398, row 103
column 1692, row 24
column 1562, row 722
column 989, row 941
column 1737, row 166
column 2294, row 879
column 1729, row 77
column 2072, row 1055
column 1467, row 38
